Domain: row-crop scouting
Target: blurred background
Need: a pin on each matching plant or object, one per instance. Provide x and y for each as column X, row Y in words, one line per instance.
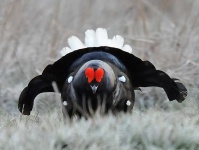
column 33, row 32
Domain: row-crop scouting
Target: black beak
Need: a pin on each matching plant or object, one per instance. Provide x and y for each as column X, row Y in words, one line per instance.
column 94, row 88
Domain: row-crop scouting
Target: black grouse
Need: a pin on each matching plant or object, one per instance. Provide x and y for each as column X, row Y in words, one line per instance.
column 101, row 72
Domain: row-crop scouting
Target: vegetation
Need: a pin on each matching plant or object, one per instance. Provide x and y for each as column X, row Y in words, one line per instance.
column 165, row 32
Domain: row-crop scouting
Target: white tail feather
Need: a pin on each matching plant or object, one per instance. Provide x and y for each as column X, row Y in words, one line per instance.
column 102, row 37
column 127, row 48
column 75, row 43
column 96, row 39
column 65, row 51
column 118, row 41
column 90, row 38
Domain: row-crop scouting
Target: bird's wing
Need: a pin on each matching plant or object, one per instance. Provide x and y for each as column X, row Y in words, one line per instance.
column 144, row 74
column 37, row 85
column 56, row 72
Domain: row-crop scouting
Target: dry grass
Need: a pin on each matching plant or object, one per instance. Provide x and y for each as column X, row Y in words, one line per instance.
column 165, row 32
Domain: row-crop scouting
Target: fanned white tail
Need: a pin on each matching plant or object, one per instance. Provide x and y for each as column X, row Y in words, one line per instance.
column 95, row 39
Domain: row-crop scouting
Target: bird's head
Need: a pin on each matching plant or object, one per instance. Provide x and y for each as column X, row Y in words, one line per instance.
column 95, row 77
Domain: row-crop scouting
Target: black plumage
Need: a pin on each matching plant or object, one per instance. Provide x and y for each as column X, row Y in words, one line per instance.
column 78, row 94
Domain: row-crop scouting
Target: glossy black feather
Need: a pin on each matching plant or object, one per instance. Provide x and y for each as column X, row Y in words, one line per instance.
column 140, row 74
column 111, row 92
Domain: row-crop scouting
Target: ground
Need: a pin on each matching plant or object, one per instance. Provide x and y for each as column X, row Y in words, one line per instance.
column 164, row 32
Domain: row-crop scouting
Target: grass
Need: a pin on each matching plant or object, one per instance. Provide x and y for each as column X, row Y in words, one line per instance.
column 163, row 32
column 154, row 129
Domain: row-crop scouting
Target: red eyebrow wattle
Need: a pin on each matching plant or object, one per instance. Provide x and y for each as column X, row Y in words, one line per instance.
column 90, row 74
column 99, row 73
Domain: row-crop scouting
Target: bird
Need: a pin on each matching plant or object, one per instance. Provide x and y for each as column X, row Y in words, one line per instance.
column 99, row 73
